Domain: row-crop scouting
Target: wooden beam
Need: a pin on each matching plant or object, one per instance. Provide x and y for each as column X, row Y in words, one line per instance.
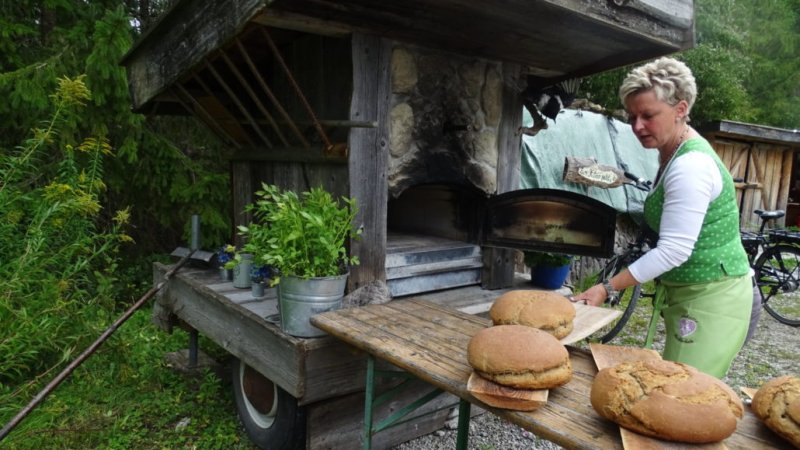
column 231, row 118
column 182, row 38
column 312, row 155
column 197, row 110
column 238, row 102
column 246, row 85
column 600, row 35
column 275, row 18
column 269, row 94
column 369, row 155
column 498, row 263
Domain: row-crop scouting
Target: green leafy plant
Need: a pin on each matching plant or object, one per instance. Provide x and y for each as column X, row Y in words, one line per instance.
column 533, row 259
column 304, row 235
column 59, row 273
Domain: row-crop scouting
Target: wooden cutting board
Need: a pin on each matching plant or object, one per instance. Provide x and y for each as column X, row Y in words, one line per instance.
column 500, row 396
column 611, row 355
column 749, row 392
column 588, row 319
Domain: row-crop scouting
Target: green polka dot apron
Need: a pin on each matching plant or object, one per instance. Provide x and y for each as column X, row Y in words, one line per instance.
column 706, row 301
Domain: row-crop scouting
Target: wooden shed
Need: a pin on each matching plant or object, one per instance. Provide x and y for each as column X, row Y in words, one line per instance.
column 765, row 158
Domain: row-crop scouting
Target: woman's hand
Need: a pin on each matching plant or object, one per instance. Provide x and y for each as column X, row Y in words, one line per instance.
column 594, row 296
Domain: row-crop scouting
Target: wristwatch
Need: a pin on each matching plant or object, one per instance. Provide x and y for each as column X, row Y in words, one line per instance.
column 612, row 293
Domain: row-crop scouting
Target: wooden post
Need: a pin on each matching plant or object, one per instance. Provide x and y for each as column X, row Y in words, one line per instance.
column 498, row 263
column 369, row 155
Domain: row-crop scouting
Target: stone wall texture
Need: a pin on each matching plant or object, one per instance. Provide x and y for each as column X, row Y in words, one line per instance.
column 445, row 110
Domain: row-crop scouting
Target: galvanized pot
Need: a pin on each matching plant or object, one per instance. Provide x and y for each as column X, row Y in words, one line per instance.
column 241, row 272
column 301, row 298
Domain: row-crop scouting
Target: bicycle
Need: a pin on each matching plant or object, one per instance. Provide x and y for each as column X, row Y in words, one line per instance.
column 775, row 258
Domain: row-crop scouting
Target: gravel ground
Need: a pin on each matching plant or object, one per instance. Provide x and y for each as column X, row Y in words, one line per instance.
column 773, row 351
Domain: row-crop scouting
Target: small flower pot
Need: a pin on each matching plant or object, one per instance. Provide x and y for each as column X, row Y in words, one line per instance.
column 549, row 277
column 257, row 289
column 225, row 274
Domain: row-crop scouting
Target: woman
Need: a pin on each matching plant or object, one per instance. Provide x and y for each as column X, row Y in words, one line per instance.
column 699, row 260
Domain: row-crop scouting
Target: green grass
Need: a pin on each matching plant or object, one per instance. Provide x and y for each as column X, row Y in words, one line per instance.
column 125, row 397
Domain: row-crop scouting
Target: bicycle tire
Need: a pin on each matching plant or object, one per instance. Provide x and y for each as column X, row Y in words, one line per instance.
column 636, row 293
column 778, row 277
column 612, row 268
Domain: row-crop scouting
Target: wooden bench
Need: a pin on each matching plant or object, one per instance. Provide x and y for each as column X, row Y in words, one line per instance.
column 429, row 341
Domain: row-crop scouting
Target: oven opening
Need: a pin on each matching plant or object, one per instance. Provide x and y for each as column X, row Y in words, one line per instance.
column 432, row 238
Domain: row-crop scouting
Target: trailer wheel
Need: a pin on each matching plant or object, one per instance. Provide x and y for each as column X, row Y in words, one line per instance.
column 271, row 416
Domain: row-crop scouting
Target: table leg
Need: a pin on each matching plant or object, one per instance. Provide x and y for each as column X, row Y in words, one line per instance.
column 463, row 424
column 369, row 393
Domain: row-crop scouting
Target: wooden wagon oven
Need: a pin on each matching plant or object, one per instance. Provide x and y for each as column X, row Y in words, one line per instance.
column 414, row 109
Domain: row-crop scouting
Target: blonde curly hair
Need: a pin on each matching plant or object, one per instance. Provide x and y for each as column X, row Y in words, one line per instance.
column 671, row 81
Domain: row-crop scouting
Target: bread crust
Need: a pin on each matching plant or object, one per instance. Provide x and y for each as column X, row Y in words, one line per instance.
column 777, row 404
column 667, row 400
column 544, row 310
column 519, row 356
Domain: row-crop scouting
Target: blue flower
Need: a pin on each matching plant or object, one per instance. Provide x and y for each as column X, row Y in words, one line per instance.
column 225, row 254
column 261, row 273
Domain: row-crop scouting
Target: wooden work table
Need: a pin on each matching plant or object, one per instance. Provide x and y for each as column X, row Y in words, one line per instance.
column 430, row 342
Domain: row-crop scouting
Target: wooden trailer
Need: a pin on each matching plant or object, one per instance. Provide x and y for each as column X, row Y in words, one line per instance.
column 411, row 107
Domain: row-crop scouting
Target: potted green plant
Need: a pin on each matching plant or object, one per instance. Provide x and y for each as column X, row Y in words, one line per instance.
column 260, row 276
column 303, row 237
column 548, row 270
column 224, row 257
column 240, row 265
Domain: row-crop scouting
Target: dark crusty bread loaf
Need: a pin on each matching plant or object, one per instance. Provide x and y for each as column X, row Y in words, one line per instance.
column 544, row 310
column 777, row 403
column 520, row 357
column 667, row 400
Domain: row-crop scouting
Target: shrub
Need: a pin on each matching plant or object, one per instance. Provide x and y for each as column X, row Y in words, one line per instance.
column 57, row 271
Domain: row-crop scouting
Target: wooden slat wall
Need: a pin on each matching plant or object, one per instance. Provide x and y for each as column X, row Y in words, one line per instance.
column 786, row 180
column 242, row 187
column 767, row 170
column 321, row 67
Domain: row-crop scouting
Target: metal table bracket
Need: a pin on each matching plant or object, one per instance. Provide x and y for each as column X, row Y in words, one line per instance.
column 371, row 401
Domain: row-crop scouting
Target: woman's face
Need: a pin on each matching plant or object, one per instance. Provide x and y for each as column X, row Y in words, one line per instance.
column 654, row 122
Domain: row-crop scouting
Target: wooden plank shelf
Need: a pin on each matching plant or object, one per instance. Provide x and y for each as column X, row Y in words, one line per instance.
column 308, row 369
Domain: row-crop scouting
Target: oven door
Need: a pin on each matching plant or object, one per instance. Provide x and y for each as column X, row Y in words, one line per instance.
column 549, row 220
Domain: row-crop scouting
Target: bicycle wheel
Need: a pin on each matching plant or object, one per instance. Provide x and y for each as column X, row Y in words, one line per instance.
column 615, row 266
column 636, row 292
column 778, row 277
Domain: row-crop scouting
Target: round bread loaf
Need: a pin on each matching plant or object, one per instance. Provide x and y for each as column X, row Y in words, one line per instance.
column 667, row 400
column 777, row 403
column 520, row 357
column 544, row 310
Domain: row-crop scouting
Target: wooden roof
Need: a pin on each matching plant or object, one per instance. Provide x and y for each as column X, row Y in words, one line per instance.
column 752, row 132
column 552, row 39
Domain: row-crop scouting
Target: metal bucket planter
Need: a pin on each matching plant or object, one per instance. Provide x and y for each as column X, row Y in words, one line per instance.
column 301, row 298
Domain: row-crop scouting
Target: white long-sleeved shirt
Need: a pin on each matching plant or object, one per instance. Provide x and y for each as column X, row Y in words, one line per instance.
column 692, row 182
